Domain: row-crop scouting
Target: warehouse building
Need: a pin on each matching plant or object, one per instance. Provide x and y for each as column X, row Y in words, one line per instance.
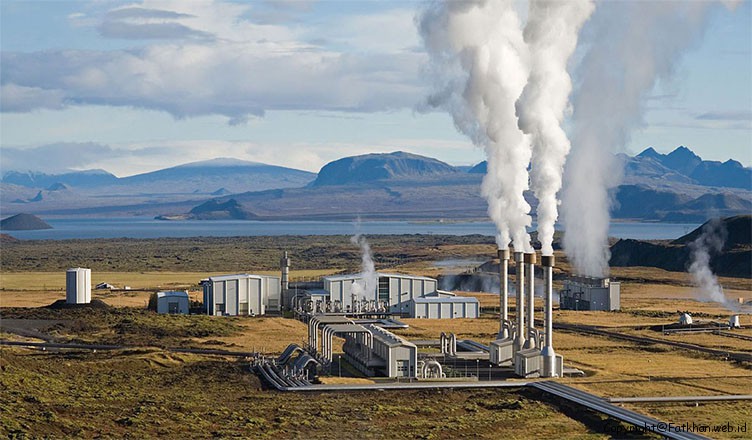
column 241, row 294
column 443, row 307
column 585, row 293
column 173, row 302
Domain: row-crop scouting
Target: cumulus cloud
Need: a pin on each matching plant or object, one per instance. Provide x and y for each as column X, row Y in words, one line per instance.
column 15, row 98
column 212, row 58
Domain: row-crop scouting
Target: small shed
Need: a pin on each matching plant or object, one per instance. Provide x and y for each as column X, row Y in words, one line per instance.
column 173, row 302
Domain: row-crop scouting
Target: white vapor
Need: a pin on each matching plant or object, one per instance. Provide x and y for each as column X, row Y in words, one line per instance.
column 551, row 34
column 479, row 63
column 366, row 286
column 709, row 242
column 631, row 45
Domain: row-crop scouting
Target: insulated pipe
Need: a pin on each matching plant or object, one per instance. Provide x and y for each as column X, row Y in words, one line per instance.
column 503, row 293
column 548, row 354
column 530, row 274
column 520, row 269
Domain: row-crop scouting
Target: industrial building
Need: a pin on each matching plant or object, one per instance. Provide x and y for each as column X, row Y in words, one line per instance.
column 173, row 302
column 407, row 295
column 396, row 290
column 78, row 286
column 390, row 355
column 443, row 307
column 369, row 348
column 241, row 294
column 585, row 293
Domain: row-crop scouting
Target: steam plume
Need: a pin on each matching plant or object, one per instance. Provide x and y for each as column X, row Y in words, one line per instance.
column 479, row 65
column 551, row 34
column 709, row 242
column 632, row 45
column 366, row 286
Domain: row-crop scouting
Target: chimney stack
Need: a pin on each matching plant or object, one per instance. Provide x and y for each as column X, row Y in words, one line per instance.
column 503, row 293
column 520, row 335
column 530, row 261
column 548, row 354
column 284, row 265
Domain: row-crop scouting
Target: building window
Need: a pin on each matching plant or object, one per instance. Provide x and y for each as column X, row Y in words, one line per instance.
column 243, row 309
column 384, row 289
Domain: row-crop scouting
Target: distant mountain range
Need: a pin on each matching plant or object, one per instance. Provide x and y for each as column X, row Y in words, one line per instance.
column 206, row 177
column 678, row 186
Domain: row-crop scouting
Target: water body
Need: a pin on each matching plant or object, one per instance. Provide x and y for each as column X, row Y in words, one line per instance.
column 149, row 228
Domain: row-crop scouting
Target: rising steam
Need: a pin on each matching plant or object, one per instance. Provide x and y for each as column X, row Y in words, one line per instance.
column 709, row 242
column 479, row 66
column 551, row 34
column 365, row 287
column 632, row 45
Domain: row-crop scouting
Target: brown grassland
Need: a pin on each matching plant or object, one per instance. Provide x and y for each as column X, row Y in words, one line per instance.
column 148, row 392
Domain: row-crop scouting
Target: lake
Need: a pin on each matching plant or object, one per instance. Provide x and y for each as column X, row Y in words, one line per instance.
column 149, row 228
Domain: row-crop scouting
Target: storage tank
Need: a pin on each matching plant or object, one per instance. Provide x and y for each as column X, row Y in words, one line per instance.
column 78, row 286
column 734, row 321
column 685, row 319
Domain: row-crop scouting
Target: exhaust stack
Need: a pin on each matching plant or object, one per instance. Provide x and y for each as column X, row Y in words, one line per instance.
column 548, row 354
column 520, row 335
column 284, row 265
column 530, row 261
column 503, row 294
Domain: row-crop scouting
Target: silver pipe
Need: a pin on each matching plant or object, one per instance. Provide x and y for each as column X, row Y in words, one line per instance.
column 530, row 274
column 503, row 293
column 519, row 341
column 548, row 354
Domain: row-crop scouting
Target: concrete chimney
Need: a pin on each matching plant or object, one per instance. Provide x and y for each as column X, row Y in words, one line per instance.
column 530, row 261
column 503, row 293
column 520, row 336
column 548, row 354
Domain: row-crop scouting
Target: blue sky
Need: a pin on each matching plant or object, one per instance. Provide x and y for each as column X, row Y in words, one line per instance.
column 137, row 86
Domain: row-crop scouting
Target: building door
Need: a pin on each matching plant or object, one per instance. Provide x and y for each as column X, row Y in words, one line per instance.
column 403, row 368
column 172, row 308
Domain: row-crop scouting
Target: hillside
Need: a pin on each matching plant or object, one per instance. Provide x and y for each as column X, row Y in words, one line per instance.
column 23, row 222
column 734, row 260
column 373, row 167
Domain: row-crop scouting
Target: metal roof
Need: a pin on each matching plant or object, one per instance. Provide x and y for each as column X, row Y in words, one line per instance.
column 316, row 292
column 439, row 300
column 172, row 293
column 239, row 276
column 388, row 338
column 357, row 276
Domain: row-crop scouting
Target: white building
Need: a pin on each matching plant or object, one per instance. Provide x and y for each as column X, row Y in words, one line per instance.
column 241, row 294
column 585, row 293
column 78, row 286
column 395, row 289
column 173, row 302
column 444, row 307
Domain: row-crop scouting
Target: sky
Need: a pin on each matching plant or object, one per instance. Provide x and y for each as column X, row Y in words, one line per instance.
column 132, row 87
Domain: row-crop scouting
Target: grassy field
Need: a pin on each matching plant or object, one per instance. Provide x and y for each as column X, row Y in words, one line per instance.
column 148, row 394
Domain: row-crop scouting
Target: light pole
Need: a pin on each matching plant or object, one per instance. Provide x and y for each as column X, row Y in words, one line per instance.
column 477, row 368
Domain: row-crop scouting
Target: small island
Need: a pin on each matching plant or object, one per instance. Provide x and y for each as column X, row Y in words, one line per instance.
column 23, row 222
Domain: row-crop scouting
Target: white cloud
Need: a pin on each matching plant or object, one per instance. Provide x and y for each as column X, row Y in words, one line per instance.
column 214, row 59
column 15, row 98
